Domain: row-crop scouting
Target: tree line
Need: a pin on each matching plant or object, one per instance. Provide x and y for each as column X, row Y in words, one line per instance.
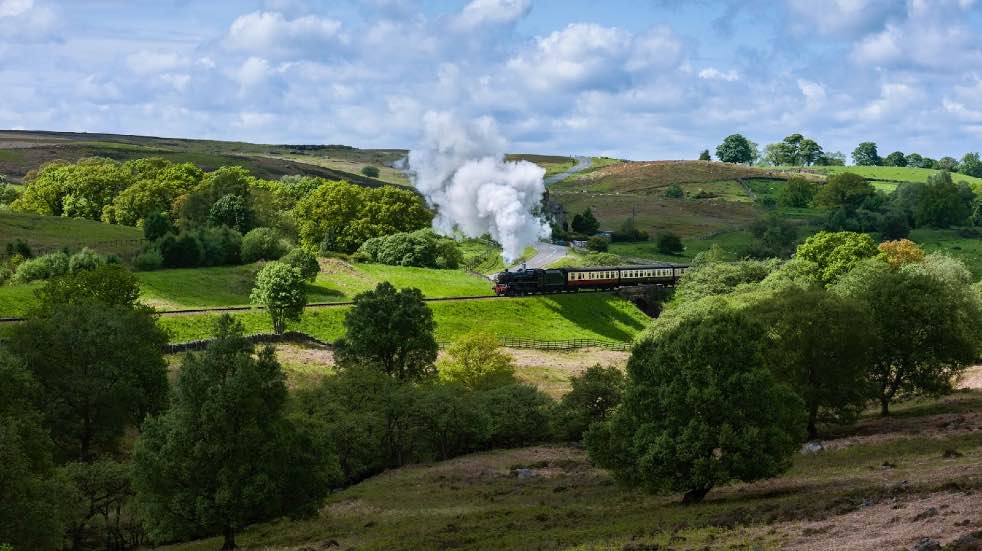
column 798, row 150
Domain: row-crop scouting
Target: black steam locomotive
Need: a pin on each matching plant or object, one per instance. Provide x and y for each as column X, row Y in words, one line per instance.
column 531, row 281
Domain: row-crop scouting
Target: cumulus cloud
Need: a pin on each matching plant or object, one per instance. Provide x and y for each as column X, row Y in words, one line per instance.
column 270, row 33
column 712, row 73
column 478, row 13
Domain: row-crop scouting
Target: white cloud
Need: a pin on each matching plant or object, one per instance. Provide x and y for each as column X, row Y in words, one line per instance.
column 478, row 13
column 270, row 33
column 712, row 73
column 150, row 63
column 13, row 8
column 252, row 71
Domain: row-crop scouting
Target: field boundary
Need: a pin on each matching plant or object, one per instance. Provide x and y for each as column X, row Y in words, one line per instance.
column 39, row 250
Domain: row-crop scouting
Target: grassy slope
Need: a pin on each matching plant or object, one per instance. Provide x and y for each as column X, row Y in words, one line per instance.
column 560, row 317
column 824, row 501
column 893, row 173
column 966, row 249
column 55, row 231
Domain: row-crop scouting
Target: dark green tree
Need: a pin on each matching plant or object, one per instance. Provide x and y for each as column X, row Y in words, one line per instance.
column 674, row 191
column 701, row 409
column 592, row 396
column 669, row 243
column 821, row 346
column 865, row 154
column 846, row 190
column 597, row 244
column 390, row 330
column 942, row 203
column 370, row 171
column 32, row 515
column 156, row 226
column 971, row 165
column 896, row 158
column 224, row 455
column 705, row 156
column 915, row 160
column 304, row 261
column 735, row 149
column 947, row 163
column 281, row 290
column 798, row 193
column 110, row 284
column 231, row 211
column 585, row 223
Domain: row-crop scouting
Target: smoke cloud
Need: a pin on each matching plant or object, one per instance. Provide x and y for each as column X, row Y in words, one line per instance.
column 460, row 167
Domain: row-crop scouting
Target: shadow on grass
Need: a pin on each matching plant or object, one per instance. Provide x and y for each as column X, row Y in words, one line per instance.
column 602, row 314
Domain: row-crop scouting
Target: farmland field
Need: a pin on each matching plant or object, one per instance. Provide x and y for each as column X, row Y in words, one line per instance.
column 886, row 173
column 57, row 232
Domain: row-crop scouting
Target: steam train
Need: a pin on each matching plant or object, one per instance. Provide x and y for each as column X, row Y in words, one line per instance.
column 533, row 281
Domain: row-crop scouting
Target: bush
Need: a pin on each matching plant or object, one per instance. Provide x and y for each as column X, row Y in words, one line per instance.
column 594, row 393
column 219, row 246
column 148, row 260
column 798, row 193
column 262, row 244
column 476, row 363
column 597, row 244
column 420, row 248
column 86, row 259
column 628, row 232
column 281, row 290
column 304, row 262
column 19, row 248
column 8, row 194
column 370, row 171
column 674, row 191
column 231, row 211
column 42, row 267
column 5, row 274
column 519, row 415
column 156, row 226
column 669, row 243
column 180, row 251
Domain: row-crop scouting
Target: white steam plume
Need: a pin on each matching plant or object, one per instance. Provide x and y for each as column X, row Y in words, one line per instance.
column 460, row 168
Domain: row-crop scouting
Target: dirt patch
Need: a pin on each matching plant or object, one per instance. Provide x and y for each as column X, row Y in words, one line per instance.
column 892, row 524
column 550, row 370
column 305, row 365
column 972, row 378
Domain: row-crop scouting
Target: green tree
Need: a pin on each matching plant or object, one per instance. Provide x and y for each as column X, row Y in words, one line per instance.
column 915, row 160
column 224, row 455
column 304, row 261
column 809, row 152
column 585, row 223
column 865, row 154
column 896, row 158
column 701, row 409
column 798, row 193
column 281, row 290
column 674, row 191
column 592, row 396
column 715, row 277
column 597, row 244
column 669, row 243
column 32, row 515
column 262, row 244
column 705, row 156
column 339, row 216
column 391, row 331
column 926, row 323
column 835, row 253
column 156, row 225
column 941, row 203
column 370, row 171
column 735, row 149
column 947, row 163
column 475, row 362
column 971, row 165
column 109, row 284
column 821, row 346
column 846, row 189
column 232, row 211
column 100, row 371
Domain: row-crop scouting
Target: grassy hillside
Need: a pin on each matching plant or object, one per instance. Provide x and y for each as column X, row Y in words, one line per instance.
column 56, row 232
column 22, row 151
column 231, row 285
column 888, row 173
column 882, row 484
column 559, row 317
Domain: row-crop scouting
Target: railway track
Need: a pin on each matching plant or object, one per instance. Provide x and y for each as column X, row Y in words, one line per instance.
column 311, row 306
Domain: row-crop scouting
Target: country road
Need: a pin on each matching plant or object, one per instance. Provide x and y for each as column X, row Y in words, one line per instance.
column 582, row 163
column 545, row 254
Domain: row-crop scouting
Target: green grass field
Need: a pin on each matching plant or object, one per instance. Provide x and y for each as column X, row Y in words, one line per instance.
column 888, row 173
column 559, row 317
column 57, row 232
column 966, row 249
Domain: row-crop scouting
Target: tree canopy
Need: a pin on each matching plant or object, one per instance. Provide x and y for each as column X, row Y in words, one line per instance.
column 865, row 154
column 735, row 149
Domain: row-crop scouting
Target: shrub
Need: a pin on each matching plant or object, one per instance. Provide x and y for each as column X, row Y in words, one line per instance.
column 476, row 362
column 5, row 274
column 262, row 244
column 42, row 267
column 180, row 251
column 220, row 245
column 629, row 232
column 798, row 193
column 674, row 191
column 370, row 171
column 148, row 260
column 303, row 261
column 19, row 247
column 594, row 393
column 156, row 226
column 86, row 259
column 519, row 415
column 8, row 194
column 420, row 248
column 597, row 244
column 669, row 243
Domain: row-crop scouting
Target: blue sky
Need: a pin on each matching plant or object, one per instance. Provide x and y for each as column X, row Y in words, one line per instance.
column 641, row 79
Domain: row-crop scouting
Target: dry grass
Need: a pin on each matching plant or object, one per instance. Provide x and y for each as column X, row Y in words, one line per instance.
column 648, row 176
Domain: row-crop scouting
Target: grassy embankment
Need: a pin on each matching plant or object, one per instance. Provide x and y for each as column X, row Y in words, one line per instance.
column 882, row 484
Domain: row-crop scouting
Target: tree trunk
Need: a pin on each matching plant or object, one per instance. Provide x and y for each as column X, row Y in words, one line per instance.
column 884, row 406
column 229, row 533
column 695, row 495
column 812, row 421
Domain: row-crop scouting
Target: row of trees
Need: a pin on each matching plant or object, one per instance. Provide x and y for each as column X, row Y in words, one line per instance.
column 755, row 356
column 798, row 150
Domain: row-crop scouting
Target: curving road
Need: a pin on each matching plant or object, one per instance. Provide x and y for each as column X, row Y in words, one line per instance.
column 545, row 254
column 582, row 163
